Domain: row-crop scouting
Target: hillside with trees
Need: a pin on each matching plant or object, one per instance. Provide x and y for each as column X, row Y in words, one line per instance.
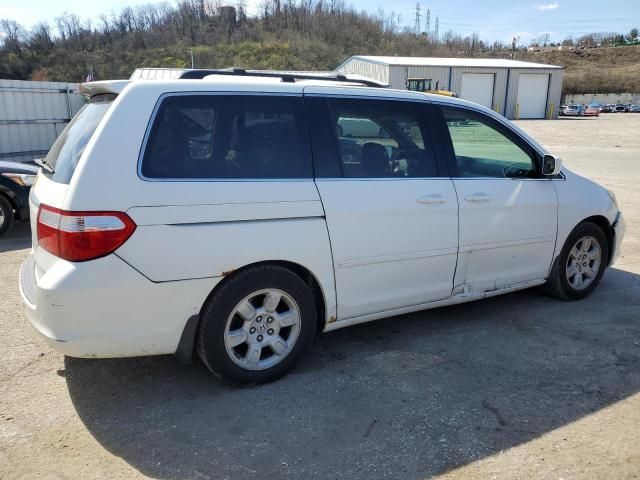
column 286, row 34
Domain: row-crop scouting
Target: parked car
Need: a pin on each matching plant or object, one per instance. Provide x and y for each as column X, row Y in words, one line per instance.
column 217, row 216
column 606, row 108
column 634, row 108
column 620, row 107
column 574, row 110
column 562, row 110
column 591, row 112
column 15, row 182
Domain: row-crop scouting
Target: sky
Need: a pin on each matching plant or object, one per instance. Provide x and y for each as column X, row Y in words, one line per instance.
column 491, row 19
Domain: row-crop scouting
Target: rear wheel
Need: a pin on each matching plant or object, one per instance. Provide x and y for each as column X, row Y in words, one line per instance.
column 6, row 215
column 581, row 264
column 257, row 325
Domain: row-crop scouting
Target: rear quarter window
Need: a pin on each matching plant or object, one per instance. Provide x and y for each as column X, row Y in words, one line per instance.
column 64, row 155
column 227, row 137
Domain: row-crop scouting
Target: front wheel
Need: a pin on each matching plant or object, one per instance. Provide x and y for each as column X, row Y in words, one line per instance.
column 581, row 264
column 257, row 325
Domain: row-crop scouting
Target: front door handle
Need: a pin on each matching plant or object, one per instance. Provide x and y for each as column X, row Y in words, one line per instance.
column 477, row 197
column 433, row 199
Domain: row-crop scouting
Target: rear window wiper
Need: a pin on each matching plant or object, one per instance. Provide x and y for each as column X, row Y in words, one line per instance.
column 42, row 163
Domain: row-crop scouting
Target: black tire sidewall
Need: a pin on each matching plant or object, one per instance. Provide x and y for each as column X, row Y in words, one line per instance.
column 583, row 230
column 7, row 209
column 213, row 318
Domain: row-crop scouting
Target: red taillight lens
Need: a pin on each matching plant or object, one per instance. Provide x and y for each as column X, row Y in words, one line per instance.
column 82, row 236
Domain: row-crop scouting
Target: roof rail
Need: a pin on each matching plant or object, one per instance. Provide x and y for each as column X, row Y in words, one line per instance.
column 285, row 76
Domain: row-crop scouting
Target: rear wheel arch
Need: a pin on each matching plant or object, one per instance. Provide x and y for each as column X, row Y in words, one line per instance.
column 11, row 215
column 186, row 346
column 7, row 196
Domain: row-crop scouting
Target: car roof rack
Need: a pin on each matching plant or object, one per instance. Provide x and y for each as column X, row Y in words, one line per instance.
column 291, row 77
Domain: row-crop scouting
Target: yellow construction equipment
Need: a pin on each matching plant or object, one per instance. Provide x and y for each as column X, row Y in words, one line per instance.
column 424, row 85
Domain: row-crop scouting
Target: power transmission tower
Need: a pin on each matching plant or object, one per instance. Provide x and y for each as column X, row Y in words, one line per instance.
column 437, row 27
column 428, row 21
column 416, row 26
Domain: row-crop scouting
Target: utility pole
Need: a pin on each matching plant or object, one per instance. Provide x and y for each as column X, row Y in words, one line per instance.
column 513, row 46
column 416, row 26
column 437, row 28
column 191, row 52
column 428, row 21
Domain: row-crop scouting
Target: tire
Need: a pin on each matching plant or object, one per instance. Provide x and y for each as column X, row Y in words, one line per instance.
column 561, row 284
column 244, row 304
column 6, row 215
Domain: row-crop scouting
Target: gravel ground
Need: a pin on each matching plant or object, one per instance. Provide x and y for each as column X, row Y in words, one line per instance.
column 518, row 386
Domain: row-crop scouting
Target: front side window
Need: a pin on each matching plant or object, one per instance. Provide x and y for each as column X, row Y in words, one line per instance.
column 228, row 137
column 378, row 139
column 482, row 150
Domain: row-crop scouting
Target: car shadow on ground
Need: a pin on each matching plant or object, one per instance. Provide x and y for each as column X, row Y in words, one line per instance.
column 405, row 397
column 17, row 238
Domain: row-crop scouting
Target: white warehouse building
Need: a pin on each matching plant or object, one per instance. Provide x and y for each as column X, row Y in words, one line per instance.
column 512, row 88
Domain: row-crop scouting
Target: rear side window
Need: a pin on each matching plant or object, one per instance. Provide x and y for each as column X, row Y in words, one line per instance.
column 228, row 137
column 65, row 153
column 371, row 138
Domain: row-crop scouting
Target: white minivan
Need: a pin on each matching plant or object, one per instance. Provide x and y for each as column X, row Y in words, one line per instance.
column 237, row 216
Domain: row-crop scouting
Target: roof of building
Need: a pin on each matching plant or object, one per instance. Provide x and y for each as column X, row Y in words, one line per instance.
column 174, row 73
column 156, row 73
column 450, row 62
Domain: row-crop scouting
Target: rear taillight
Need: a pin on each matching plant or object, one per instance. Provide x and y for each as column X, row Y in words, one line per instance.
column 82, row 236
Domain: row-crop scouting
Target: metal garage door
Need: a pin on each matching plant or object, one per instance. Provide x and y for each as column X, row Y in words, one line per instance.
column 532, row 95
column 478, row 87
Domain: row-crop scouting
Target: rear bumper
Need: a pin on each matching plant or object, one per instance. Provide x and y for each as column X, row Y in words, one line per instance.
column 619, row 228
column 104, row 308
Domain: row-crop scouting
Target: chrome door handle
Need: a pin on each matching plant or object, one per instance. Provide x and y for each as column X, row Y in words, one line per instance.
column 477, row 197
column 433, row 199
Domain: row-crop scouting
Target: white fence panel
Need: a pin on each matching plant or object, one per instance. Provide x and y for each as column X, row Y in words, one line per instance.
column 32, row 115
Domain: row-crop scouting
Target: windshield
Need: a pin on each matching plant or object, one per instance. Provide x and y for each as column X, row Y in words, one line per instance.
column 65, row 153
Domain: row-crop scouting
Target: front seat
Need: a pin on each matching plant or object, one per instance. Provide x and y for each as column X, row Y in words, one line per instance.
column 375, row 160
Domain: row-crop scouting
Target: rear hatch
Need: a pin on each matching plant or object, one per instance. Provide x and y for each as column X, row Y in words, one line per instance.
column 58, row 167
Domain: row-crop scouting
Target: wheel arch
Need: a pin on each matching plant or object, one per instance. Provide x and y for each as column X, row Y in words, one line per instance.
column 186, row 346
column 12, row 201
column 602, row 222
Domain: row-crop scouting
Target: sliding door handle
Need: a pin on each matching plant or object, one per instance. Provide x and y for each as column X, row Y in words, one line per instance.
column 478, row 197
column 433, row 199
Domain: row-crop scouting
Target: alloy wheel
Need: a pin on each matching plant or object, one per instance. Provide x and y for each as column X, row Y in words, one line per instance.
column 262, row 329
column 583, row 263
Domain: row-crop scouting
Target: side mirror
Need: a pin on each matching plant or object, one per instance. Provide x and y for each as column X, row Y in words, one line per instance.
column 551, row 165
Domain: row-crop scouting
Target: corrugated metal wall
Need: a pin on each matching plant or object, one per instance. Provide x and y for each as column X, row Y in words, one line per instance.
column 398, row 75
column 504, row 102
column 604, row 98
column 553, row 94
column 32, row 115
column 505, row 85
